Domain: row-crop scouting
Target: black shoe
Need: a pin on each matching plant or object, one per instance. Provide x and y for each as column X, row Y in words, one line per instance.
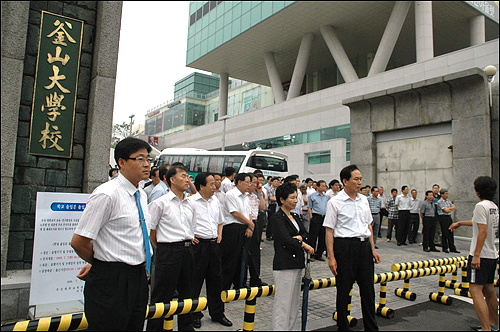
column 404, row 244
column 399, row 244
column 376, row 247
column 259, row 283
column 197, row 323
column 455, row 251
column 222, row 320
column 434, row 250
column 446, row 251
column 427, row 250
column 269, row 238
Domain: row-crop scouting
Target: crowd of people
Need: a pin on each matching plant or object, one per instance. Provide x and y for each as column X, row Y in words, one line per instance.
column 159, row 233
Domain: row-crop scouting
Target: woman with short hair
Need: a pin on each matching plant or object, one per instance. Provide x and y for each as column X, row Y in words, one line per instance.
column 290, row 238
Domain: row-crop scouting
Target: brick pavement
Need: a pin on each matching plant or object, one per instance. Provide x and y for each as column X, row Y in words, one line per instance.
column 322, row 301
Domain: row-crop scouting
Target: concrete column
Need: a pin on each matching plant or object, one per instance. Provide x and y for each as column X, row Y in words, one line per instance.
column 390, row 37
column 102, row 94
column 300, row 65
column 423, row 30
column 477, row 30
column 339, row 55
column 223, row 91
column 15, row 16
column 274, row 77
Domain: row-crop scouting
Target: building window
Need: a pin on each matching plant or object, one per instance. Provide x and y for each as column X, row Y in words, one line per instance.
column 318, row 158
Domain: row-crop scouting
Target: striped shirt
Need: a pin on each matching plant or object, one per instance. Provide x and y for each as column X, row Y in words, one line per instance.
column 391, row 206
column 375, row 204
column 443, row 204
column 111, row 220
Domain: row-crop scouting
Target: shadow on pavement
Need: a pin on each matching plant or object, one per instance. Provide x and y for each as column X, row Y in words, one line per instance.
column 427, row 316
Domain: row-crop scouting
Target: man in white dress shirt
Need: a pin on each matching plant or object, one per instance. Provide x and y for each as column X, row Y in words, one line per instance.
column 227, row 183
column 207, row 255
column 403, row 204
column 172, row 232
column 350, row 247
column 110, row 236
column 238, row 225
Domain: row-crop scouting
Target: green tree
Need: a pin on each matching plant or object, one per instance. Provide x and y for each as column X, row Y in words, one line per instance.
column 120, row 131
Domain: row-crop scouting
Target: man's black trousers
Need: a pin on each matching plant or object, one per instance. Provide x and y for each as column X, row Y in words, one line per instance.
column 208, row 266
column 116, row 296
column 174, row 270
column 355, row 263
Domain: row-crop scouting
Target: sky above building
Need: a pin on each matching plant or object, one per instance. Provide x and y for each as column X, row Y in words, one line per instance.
column 151, row 58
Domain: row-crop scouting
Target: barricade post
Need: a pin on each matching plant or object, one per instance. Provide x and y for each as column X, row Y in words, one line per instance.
column 463, row 290
column 439, row 296
column 352, row 321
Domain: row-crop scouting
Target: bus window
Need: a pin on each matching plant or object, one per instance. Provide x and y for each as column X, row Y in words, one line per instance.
column 187, row 162
column 201, row 164
column 234, row 161
column 268, row 163
column 192, row 164
column 216, row 164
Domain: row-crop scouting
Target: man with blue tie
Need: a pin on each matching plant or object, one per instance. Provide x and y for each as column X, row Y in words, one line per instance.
column 112, row 235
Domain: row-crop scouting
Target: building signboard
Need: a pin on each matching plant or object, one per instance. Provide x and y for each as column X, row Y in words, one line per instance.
column 488, row 8
column 56, row 78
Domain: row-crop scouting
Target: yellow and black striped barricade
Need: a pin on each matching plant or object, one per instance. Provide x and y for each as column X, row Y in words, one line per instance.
column 439, row 296
column 75, row 322
column 250, row 296
column 70, row 322
column 380, row 308
column 463, row 290
column 332, row 282
column 410, row 274
column 404, row 292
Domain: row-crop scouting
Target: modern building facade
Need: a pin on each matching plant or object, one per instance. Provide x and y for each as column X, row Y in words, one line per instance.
column 325, row 61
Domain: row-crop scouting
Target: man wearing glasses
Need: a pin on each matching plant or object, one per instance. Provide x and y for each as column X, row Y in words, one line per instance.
column 112, row 235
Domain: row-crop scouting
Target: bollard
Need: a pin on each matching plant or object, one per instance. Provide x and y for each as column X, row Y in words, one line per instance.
column 249, row 317
column 405, row 292
column 463, row 290
column 384, row 311
column 352, row 321
column 250, row 296
column 168, row 323
column 439, row 297
column 453, row 283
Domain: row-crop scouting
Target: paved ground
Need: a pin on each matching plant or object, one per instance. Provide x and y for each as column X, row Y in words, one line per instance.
column 322, row 301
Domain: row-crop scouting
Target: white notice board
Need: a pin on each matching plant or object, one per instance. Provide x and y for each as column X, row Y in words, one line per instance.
column 55, row 264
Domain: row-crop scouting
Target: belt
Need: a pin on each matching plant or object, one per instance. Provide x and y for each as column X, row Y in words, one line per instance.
column 185, row 243
column 375, row 213
column 317, row 214
column 361, row 239
column 208, row 240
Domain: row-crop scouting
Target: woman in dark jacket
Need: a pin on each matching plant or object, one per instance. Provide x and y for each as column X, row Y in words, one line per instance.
column 289, row 242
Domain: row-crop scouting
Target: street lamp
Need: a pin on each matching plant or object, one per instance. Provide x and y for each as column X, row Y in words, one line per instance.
column 224, row 118
column 490, row 73
column 131, row 117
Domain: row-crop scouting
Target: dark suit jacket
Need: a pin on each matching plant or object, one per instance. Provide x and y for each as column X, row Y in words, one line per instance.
column 288, row 253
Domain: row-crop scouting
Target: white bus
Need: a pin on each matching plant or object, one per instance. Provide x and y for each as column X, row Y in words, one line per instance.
column 271, row 163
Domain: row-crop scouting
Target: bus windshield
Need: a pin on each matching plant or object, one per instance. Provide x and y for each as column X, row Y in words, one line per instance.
column 268, row 163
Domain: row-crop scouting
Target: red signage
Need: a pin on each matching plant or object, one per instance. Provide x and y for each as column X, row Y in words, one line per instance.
column 153, row 140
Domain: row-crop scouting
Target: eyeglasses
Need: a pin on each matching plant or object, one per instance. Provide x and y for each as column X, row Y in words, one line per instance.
column 142, row 159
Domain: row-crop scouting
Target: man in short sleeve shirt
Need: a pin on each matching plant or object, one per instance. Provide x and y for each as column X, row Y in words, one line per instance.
column 350, row 246
column 483, row 256
column 110, row 237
